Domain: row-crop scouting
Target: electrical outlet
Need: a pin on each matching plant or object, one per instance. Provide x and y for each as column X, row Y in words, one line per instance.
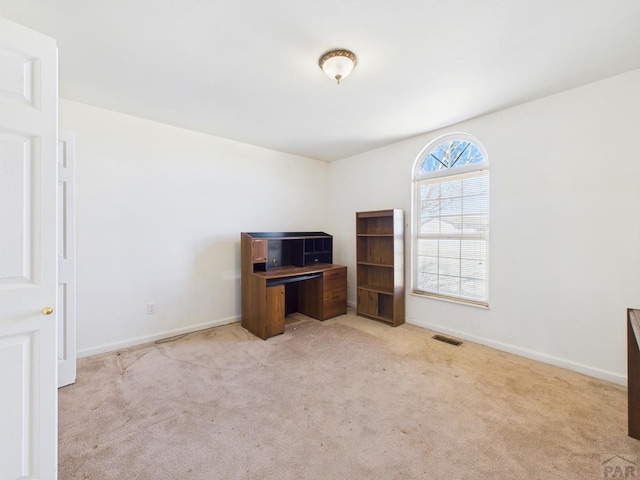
column 151, row 308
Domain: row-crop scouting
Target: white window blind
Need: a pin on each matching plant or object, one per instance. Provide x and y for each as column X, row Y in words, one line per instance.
column 451, row 236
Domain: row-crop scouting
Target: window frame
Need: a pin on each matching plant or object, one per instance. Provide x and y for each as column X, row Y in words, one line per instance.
column 417, row 177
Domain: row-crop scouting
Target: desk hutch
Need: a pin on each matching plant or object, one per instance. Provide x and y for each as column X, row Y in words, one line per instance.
column 287, row 272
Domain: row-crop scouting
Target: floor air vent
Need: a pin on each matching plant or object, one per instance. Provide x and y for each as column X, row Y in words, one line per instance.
column 451, row 341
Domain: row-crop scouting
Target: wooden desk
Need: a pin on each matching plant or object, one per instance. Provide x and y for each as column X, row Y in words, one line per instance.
column 633, row 371
column 271, row 290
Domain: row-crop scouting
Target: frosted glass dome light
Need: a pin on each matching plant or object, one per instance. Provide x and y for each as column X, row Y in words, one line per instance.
column 338, row 64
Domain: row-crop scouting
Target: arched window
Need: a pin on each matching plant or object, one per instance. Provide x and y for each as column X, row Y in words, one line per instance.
column 450, row 224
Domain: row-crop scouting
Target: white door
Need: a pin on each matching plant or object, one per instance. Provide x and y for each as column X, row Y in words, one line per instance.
column 66, row 311
column 28, row 366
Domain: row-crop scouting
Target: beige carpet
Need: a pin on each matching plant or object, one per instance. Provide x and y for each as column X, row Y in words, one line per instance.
column 348, row 398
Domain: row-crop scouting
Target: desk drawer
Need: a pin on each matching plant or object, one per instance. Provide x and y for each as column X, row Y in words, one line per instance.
column 335, row 280
column 334, row 296
column 335, row 304
column 335, row 274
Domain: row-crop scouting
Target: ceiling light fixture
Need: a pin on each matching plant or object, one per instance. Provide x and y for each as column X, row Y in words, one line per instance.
column 338, row 64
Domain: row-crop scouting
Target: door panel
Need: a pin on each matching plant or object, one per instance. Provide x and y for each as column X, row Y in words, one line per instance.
column 66, row 313
column 28, row 367
column 15, row 352
column 16, row 194
column 16, row 76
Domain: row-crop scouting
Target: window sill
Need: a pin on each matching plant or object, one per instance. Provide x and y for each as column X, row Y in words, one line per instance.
column 458, row 301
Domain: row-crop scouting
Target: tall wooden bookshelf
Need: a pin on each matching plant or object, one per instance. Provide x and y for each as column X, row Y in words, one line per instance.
column 380, row 265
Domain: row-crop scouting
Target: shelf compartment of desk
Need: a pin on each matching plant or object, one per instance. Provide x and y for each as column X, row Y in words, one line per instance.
column 317, row 250
column 296, row 248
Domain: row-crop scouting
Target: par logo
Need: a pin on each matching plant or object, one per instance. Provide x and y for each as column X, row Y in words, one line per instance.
column 620, row 466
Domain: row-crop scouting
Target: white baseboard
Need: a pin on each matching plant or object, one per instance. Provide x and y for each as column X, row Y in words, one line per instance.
column 523, row 352
column 109, row 347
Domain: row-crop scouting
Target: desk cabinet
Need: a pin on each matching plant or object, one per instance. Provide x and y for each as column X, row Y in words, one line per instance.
column 275, row 311
column 259, row 248
column 287, row 272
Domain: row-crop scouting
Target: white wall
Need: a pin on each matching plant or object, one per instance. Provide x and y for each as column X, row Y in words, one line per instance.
column 565, row 225
column 159, row 211
column 159, row 215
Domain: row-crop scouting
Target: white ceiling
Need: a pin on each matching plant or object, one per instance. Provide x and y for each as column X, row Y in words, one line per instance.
column 247, row 69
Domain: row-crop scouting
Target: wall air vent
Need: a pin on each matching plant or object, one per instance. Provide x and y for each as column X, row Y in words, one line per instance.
column 450, row 341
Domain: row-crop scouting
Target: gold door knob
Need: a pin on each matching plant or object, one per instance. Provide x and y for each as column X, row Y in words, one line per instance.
column 47, row 311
